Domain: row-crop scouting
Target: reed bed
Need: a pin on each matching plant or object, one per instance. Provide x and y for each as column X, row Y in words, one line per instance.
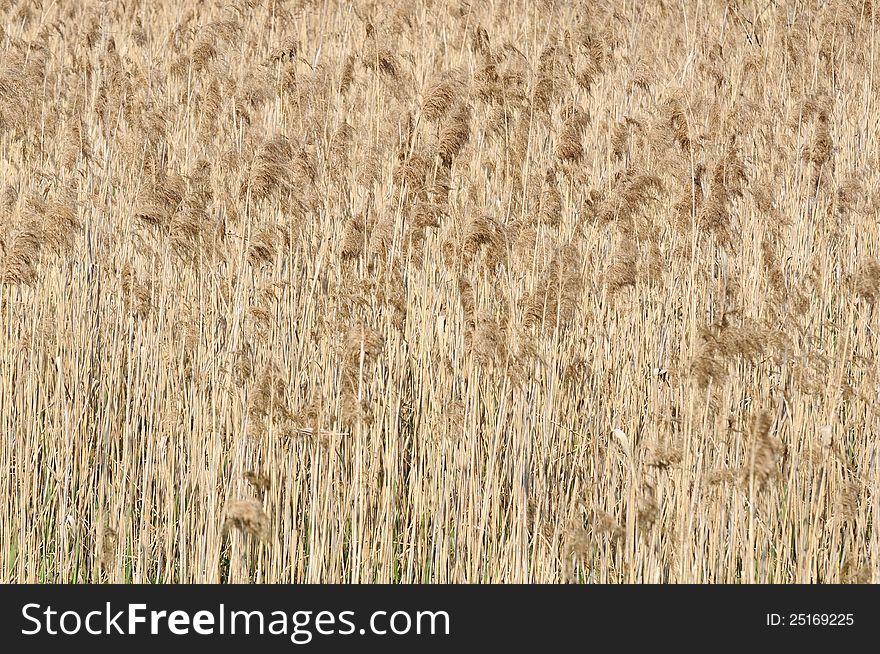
column 439, row 291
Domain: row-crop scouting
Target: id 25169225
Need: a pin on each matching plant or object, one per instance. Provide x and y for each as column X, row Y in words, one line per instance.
column 810, row 619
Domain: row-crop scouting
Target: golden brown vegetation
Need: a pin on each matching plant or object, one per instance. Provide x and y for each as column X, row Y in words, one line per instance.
column 439, row 291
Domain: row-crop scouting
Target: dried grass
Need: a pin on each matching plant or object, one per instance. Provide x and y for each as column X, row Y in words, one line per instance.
column 437, row 293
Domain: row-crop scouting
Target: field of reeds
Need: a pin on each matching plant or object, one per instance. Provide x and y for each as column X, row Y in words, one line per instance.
column 439, row 291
